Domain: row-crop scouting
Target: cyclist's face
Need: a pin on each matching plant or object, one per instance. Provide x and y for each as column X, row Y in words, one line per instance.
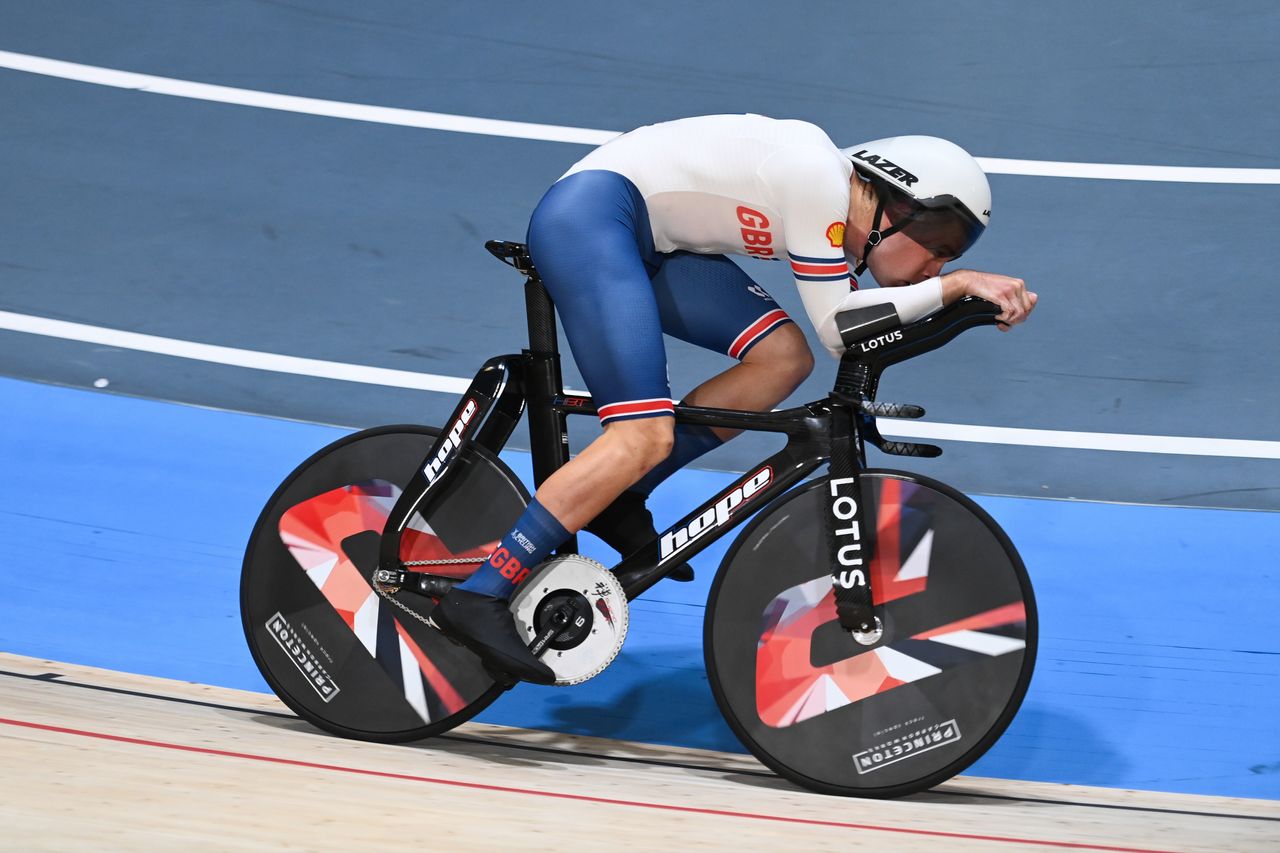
column 901, row 260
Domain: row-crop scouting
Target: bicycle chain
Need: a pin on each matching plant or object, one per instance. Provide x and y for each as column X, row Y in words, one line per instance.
column 389, row 593
column 389, row 596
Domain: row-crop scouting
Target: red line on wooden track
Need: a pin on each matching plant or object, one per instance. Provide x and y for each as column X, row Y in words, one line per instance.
column 576, row 797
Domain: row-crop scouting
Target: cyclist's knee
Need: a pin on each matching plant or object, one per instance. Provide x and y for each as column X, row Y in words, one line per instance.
column 784, row 352
column 646, row 441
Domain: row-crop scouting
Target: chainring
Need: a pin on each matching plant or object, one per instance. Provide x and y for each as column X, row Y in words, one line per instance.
column 585, row 647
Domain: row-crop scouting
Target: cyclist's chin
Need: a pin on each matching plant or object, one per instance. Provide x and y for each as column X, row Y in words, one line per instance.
column 889, row 274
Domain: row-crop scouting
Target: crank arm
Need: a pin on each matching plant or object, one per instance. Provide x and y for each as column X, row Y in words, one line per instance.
column 432, row 586
column 560, row 619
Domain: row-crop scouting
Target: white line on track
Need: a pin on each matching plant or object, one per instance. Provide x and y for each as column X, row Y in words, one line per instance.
column 230, row 355
column 552, row 133
column 1167, row 444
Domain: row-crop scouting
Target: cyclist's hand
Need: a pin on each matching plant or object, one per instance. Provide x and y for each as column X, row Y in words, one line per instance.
column 1011, row 294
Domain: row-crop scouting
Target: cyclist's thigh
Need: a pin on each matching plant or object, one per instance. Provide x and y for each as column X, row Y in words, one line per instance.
column 589, row 238
column 709, row 301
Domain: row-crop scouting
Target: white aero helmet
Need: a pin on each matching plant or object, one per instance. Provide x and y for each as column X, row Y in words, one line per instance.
column 932, row 189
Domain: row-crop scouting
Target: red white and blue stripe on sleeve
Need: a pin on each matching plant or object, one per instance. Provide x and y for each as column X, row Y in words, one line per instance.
column 633, row 409
column 756, row 332
column 806, row 268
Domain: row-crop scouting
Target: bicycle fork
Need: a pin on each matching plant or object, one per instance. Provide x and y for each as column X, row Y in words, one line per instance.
column 850, row 542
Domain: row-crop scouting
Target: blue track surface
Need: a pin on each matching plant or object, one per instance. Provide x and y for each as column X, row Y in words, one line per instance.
column 361, row 243
column 124, row 534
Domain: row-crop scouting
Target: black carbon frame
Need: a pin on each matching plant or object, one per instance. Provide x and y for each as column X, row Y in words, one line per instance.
column 494, row 396
column 830, row 429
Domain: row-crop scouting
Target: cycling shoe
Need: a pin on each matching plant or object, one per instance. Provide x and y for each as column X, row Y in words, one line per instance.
column 485, row 625
column 626, row 526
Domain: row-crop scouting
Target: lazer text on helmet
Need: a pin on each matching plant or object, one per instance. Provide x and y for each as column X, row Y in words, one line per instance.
column 889, row 167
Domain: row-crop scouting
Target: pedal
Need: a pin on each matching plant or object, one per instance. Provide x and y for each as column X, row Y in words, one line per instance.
column 594, row 632
column 435, row 586
column 432, row 586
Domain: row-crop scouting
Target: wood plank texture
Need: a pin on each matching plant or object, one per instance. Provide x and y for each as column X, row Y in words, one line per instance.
column 97, row 759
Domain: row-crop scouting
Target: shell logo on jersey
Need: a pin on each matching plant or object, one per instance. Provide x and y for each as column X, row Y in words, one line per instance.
column 835, row 234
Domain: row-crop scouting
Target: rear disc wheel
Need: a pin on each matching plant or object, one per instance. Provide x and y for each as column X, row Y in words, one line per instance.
column 336, row 652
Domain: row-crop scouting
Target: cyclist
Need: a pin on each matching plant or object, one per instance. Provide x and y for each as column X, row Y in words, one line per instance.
column 631, row 244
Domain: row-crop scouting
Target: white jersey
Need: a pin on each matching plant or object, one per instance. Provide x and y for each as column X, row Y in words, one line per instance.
column 750, row 185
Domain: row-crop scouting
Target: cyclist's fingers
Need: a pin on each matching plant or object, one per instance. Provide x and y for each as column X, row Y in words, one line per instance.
column 1016, row 310
column 1011, row 295
column 1031, row 304
column 1013, row 310
column 1005, row 304
column 1017, row 290
column 1028, row 300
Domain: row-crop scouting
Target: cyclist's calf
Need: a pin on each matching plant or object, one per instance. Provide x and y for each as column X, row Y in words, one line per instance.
column 768, row 374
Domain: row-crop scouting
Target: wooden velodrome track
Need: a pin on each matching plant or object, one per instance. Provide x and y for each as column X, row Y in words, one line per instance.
column 106, row 760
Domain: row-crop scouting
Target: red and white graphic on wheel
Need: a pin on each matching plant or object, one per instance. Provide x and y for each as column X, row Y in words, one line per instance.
column 790, row 688
column 314, row 531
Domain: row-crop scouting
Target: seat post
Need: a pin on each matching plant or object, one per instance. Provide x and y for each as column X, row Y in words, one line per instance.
column 548, row 428
column 541, row 315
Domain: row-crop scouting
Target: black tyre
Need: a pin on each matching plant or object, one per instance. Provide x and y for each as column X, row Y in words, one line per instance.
column 333, row 650
column 924, row 702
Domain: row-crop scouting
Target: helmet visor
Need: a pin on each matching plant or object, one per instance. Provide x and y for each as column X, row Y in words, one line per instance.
column 943, row 224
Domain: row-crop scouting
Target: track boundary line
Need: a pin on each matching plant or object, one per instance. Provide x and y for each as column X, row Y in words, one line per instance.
column 319, row 368
column 421, row 119
column 500, row 743
column 561, row 795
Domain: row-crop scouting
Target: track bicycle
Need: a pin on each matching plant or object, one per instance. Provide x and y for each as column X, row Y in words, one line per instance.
column 869, row 633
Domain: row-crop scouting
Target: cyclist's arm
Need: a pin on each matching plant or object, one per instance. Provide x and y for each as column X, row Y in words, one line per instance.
column 823, row 301
column 812, row 191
